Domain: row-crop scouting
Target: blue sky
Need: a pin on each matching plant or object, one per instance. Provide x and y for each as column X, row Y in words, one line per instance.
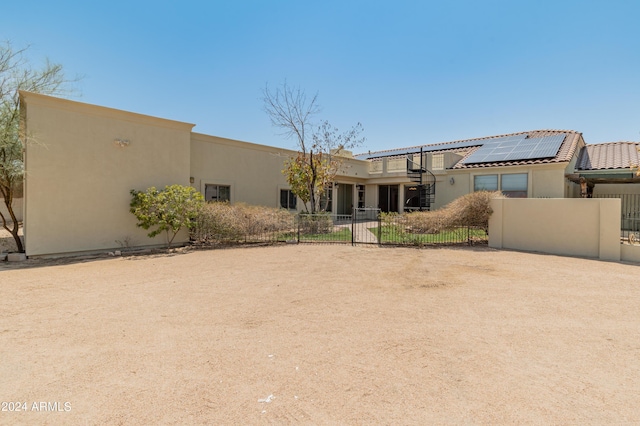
column 411, row 72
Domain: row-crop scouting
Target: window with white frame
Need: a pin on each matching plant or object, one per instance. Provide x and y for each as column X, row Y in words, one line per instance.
column 288, row 199
column 217, row 192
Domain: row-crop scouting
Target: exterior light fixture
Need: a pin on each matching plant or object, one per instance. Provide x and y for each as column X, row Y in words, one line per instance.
column 452, row 181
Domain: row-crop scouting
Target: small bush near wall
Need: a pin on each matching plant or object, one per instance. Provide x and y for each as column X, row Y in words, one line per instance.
column 168, row 210
column 220, row 222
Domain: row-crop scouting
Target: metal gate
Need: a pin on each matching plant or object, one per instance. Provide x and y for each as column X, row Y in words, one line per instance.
column 360, row 227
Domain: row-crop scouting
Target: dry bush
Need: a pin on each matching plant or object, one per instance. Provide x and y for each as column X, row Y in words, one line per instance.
column 222, row 222
column 318, row 223
column 469, row 210
column 472, row 209
column 424, row 222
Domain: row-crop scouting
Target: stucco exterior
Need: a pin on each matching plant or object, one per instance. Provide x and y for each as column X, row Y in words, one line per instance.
column 253, row 172
column 82, row 160
column 575, row 227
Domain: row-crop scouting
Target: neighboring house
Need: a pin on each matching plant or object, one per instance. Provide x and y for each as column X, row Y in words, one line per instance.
column 87, row 158
column 608, row 170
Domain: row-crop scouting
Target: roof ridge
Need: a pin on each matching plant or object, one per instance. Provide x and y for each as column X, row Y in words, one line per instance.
column 612, row 143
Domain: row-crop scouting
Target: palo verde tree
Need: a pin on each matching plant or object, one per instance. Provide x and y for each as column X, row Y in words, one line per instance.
column 16, row 74
column 169, row 210
column 319, row 145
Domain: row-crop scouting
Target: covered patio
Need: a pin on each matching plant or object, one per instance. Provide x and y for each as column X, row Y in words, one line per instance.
column 609, row 170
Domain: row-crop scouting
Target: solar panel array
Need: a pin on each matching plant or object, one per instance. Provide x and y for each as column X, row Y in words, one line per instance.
column 517, row 148
column 437, row 147
column 505, row 148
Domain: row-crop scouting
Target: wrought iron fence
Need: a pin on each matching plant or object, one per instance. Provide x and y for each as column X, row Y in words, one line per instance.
column 364, row 226
column 630, row 214
column 424, row 230
column 367, row 226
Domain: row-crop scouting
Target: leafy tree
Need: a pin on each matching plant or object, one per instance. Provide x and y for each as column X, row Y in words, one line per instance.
column 16, row 74
column 311, row 172
column 169, row 210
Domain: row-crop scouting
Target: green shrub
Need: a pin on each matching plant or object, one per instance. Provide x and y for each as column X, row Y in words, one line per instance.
column 169, row 210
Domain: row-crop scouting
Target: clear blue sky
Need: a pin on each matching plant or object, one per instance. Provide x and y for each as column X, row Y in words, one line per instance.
column 411, row 72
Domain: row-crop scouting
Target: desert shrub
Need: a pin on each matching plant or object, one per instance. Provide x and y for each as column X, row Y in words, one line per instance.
column 167, row 210
column 424, row 222
column 469, row 210
column 222, row 222
column 472, row 209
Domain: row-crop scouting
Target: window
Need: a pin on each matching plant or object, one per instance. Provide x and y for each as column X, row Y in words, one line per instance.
column 360, row 189
column 217, row 192
column 485, row 183
column 411, row 198
column 388, row 198
column 514, row 185
column 437, row 162
column 327, row 198
column 288, row 199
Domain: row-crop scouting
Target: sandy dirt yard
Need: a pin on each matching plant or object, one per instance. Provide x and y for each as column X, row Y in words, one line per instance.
column 318, row 334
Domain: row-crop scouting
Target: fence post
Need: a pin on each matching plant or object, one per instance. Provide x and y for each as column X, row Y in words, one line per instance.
column 379, row 228
column 298, row 220
column 353, row 226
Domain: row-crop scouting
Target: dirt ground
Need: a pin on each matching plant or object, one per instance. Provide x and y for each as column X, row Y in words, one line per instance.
column 318, row 334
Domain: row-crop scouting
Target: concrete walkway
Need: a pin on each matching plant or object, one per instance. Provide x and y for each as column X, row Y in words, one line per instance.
column 362, row 234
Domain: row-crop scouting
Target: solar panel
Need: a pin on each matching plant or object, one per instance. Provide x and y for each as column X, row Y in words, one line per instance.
column 523, row 149
column 444, row 146
column 505, row 148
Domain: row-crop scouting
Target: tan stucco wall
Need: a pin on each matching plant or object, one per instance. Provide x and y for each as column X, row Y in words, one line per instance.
column 78, row 180
column 630, row 253
column 544, row 181
column 17, row 205
column 574, row 227
column 254, row 172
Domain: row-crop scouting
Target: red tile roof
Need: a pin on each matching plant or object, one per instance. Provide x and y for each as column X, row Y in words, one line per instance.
column 609, row 156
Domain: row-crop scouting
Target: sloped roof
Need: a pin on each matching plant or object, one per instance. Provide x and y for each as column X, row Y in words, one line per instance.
column 609, row 156
column 565, row 152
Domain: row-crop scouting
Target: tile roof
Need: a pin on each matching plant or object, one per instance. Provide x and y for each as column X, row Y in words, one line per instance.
column 565, row 153
column 609, row 156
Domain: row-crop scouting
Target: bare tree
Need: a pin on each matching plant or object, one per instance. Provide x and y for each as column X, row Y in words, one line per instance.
column 16, row 74
column 310, row 173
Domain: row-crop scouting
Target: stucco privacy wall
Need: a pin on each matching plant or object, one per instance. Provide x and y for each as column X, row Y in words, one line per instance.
column 78, row 178
column 575, row 227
